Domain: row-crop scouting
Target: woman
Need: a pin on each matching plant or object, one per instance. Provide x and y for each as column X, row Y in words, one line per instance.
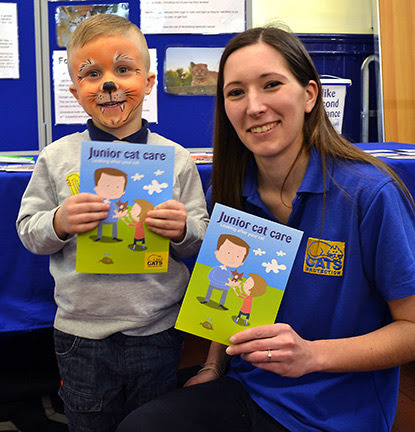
column 347, row 319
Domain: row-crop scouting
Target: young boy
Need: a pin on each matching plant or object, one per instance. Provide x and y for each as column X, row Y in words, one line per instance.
column 114, row 336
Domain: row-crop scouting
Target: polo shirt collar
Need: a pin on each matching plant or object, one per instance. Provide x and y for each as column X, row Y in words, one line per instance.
column 313, row 178
column 312, row 181
column 139, row 137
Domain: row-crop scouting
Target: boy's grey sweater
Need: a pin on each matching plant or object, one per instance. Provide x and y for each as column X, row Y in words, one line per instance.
column 92, row 305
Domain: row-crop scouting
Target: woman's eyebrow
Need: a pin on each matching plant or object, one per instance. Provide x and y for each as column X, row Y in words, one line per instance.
column 275, row 75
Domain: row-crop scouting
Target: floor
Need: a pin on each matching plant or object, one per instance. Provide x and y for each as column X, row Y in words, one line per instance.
column 22, row 410
column 405, row 416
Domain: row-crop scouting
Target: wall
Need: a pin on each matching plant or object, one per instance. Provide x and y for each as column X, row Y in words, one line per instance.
column 316, row 16
column 398, row 69
column 190, row 123
column 339, row 36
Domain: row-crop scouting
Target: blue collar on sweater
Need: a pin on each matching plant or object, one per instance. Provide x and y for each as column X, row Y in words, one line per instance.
column 139, row 137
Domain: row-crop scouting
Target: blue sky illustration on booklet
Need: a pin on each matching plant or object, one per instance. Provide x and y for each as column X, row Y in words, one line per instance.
column 240, row 274
column 132, row 179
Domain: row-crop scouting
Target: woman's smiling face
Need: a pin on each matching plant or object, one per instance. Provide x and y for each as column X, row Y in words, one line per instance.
column 110, row 81
column 264, row 101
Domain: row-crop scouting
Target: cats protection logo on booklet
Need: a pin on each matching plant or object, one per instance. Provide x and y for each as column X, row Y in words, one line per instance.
column 324, row 257
column 156, row 260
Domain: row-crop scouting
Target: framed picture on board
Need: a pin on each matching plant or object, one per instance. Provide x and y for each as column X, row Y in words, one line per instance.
column 191, row 70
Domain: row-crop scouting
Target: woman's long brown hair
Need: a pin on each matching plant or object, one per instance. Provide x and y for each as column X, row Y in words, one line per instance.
column 230, row 156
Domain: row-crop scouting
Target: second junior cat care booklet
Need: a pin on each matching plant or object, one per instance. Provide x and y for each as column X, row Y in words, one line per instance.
column 132, row 179
column 240, row 275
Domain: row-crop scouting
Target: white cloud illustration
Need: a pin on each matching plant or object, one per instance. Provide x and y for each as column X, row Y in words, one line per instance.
column 137, row 176
column 273, row 266
column 155, row 186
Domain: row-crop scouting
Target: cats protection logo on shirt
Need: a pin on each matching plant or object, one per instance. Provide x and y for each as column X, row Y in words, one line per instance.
column 324, row 257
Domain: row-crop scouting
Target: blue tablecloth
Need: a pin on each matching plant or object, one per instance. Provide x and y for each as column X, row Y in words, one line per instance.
column 403, row 165
column 26, row 287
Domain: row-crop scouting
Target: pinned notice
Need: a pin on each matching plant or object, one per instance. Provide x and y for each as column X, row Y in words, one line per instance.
column 9, row 52
column 334, row 95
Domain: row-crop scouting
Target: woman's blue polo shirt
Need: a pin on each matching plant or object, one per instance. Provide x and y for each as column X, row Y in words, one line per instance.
column 360, row 255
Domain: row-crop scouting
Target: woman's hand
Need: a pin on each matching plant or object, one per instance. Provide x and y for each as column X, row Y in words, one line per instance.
column 201, row 377
column 276, row 348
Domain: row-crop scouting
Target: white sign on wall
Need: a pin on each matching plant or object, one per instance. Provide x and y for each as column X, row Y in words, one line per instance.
column 9, row 49
column 192, row 16
column 334, row 95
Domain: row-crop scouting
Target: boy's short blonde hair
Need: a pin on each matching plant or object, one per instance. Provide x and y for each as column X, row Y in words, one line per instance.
column 104, row 25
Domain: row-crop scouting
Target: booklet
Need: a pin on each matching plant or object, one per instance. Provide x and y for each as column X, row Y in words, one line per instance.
column 240, row 275
column 6, row 159
column 133, row 179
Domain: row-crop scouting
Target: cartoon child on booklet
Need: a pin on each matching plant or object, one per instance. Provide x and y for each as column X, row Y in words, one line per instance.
column 254, row 286
column 137, row 215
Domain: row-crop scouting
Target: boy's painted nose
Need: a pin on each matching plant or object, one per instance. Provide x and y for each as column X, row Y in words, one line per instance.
column 109, row 86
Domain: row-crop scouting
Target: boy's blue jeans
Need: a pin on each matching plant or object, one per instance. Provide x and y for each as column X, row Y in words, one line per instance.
column 103, row 380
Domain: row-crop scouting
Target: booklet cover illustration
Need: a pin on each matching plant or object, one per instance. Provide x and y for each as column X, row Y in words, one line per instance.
column 240, row 275
column 133, row 179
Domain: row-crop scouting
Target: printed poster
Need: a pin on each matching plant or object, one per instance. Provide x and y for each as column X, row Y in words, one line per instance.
column 192, row 16
column 240, row 275
column 133, row 179
column 9, row 43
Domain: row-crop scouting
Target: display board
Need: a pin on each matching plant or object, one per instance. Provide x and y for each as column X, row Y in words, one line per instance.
column 18, row 112
column 186, row 119
column 30, row 107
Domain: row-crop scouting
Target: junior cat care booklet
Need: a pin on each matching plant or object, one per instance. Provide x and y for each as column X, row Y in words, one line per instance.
column 240, row 275
column 132, row 179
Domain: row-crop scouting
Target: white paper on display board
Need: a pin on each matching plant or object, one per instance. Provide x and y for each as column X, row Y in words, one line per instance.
column 67, row 109
column 192, row 16
column 9, row 49
column 334, row 95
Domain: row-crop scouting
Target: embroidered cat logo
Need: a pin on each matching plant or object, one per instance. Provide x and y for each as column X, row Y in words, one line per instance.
column 202, row 76
column 324, row 257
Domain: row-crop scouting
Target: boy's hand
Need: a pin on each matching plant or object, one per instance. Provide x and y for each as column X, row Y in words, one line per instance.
column 169, row 220
column 79, row 213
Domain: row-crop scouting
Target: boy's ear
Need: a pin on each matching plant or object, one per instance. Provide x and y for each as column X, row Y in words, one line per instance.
column 151, row 79
column 74, row 91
